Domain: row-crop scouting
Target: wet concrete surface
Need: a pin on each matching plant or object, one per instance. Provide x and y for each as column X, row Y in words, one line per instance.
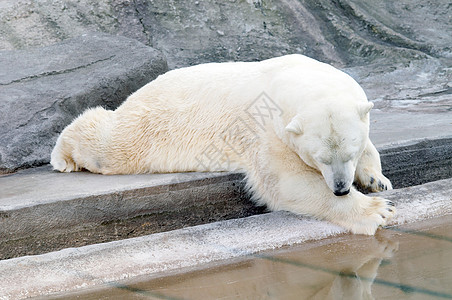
column 404, row 262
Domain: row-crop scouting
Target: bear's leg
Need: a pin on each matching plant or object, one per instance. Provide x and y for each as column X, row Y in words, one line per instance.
column 368, row 173
column 307, row 193
column 284, row 182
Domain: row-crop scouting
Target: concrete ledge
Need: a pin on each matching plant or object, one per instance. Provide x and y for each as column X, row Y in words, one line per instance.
column 415, row 148
column 93, row 265
column 417, row 162
column 43, row 211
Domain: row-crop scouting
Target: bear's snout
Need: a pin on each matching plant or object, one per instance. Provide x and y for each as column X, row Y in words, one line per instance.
column 340, row 188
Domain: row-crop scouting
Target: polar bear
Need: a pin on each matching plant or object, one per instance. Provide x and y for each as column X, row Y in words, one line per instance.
column 298, row 129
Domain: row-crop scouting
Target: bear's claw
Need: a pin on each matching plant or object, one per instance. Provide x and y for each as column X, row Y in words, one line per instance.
column 372, row 181
column 376, row 213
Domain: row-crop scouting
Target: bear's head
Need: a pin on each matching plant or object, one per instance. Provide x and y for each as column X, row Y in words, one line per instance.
column 331, row 140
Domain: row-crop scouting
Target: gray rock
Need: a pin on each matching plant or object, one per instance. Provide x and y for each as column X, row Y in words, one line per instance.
column 44, row 89
column 418, row 86
column 403, row 61
column 343, row 32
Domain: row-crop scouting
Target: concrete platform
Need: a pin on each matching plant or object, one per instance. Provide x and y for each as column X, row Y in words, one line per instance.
column 43, row 211
column 389, row 129
column 107, row 263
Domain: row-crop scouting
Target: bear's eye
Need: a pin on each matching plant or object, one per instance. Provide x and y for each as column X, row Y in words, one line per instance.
column 322, row 158
column 348, row 158
column 325, row 161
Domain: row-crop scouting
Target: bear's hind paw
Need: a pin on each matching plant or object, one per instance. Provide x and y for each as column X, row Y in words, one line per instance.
column 63, row 165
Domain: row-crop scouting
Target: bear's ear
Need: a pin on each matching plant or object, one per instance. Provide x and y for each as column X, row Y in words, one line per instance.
column 364, row 108
column 294, row 126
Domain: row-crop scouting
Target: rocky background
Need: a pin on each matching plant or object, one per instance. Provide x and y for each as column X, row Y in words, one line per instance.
column 60, row 57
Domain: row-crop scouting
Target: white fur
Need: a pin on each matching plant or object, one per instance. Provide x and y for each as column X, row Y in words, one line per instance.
column 201, row 119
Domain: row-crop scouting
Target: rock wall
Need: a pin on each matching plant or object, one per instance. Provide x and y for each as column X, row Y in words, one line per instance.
column 345, row 32
column 43, row 89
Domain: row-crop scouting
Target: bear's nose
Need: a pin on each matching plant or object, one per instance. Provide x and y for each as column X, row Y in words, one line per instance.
column 341, row 193
column 340, row 189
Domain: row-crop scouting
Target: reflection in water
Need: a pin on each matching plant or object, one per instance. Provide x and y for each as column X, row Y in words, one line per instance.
column 397, row 263
column 351, row 266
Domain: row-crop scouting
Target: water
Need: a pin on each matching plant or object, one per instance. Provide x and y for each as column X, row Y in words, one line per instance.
column 406, row 262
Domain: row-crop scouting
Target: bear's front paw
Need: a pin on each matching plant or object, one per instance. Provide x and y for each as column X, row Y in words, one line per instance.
column 373, row 181
column 377, row 213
